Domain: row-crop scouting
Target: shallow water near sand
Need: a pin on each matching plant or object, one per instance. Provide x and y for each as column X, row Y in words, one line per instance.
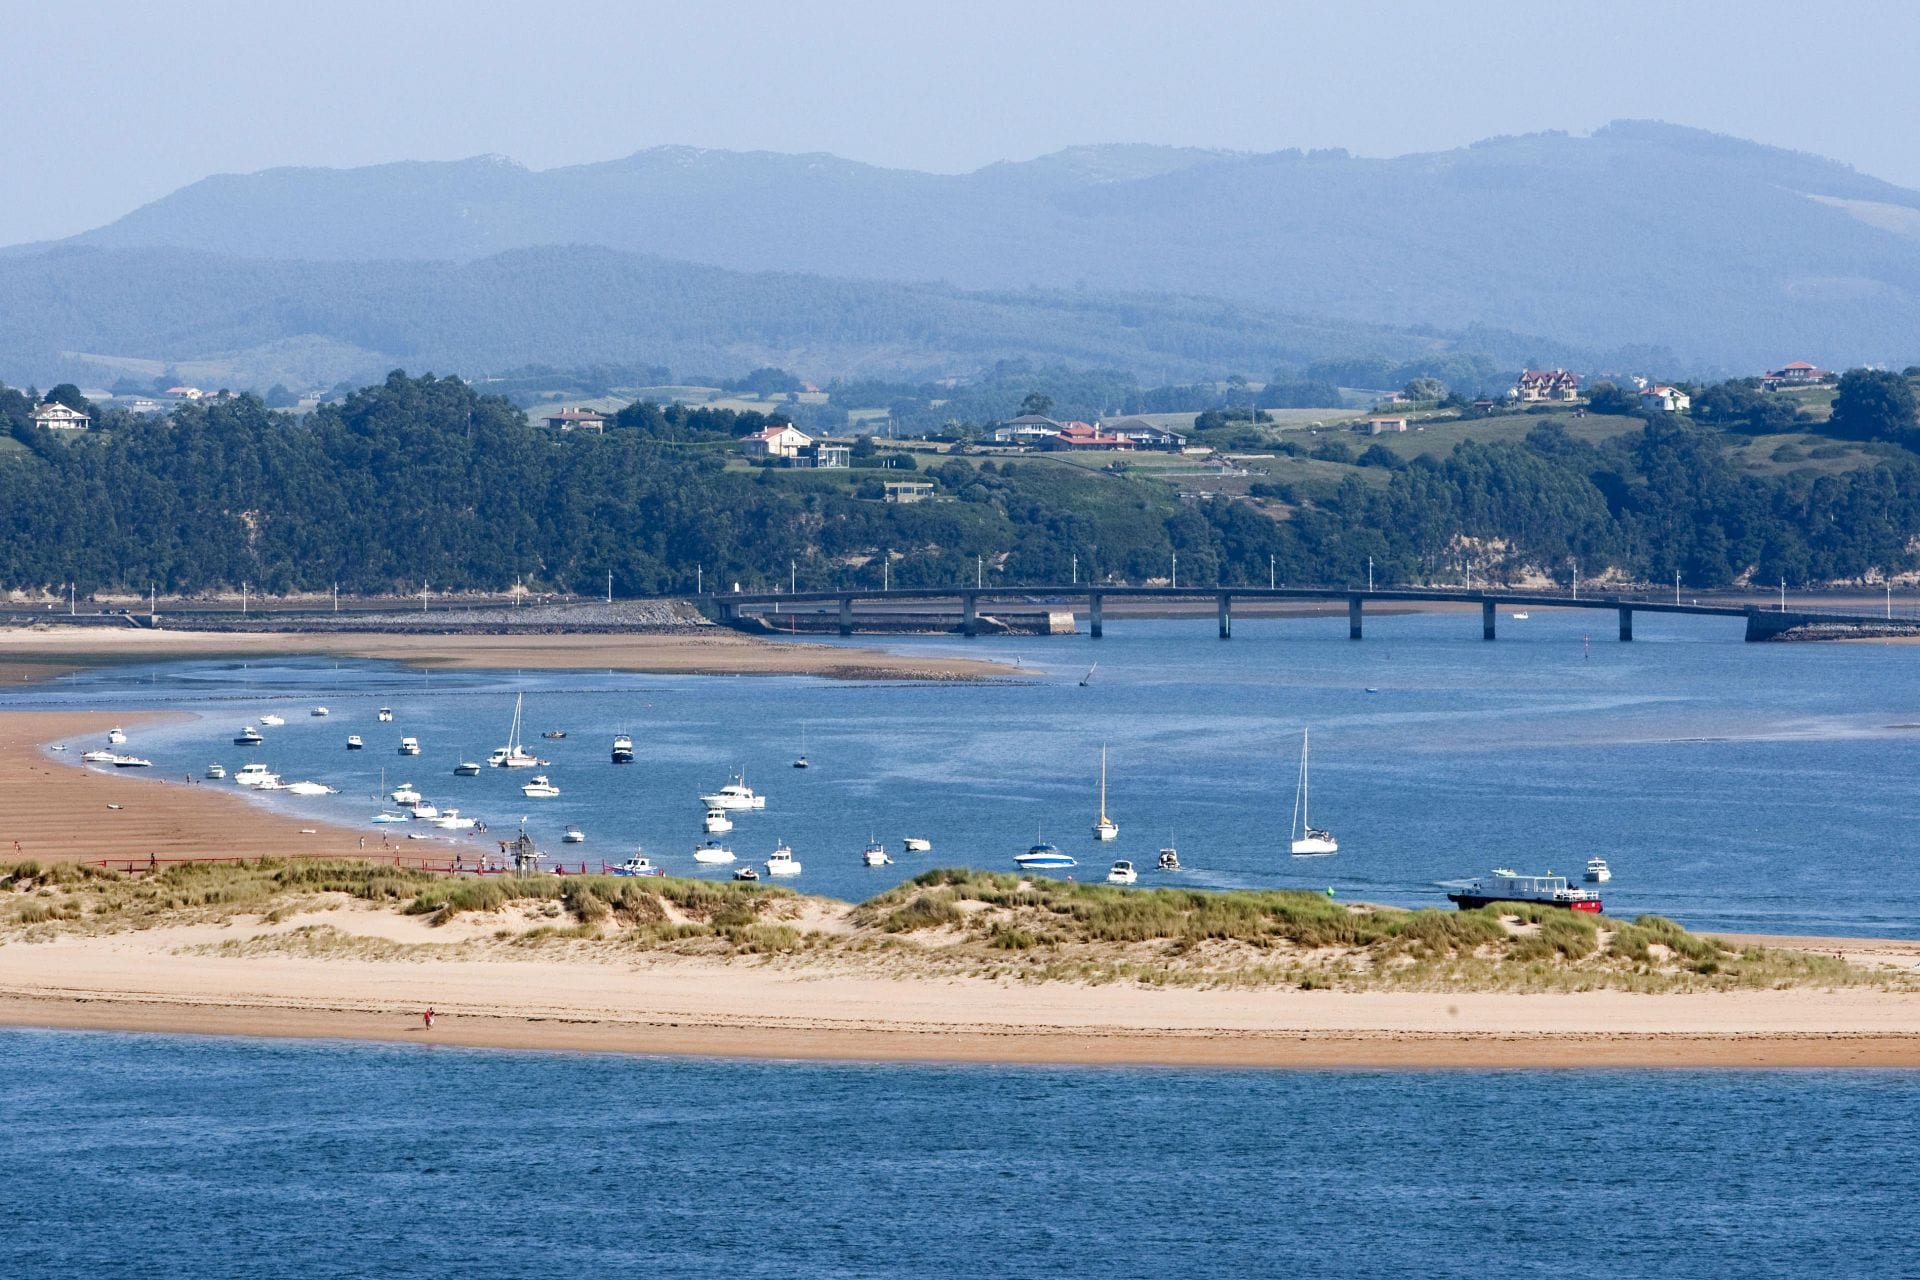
column 1764, row 788
column 159, row 1155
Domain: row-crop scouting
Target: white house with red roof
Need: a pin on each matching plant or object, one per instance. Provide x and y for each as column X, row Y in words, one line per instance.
column 1666, row 399
column 781, row 440
column 1086, row 436
column 568, row 418
column 1796, row 373
column 1547, row 384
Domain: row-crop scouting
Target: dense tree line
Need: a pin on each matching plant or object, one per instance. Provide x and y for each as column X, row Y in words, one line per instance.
column 424, row 479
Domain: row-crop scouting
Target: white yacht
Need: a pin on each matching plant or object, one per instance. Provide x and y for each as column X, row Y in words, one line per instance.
column 1043, row 857
column 424, row 810
column 451, row 820
column 254, row 774
column 1104, row 828
column 745, row 873
column 409, row 746
column 622, row 749
column 467, row 769
column 781, row 862
column 384, row 816
column 404, row 794
column 1308, row 841
column 1519, row 615
column 735, row 795
column 1507, row 885
column 875, row 855
column 541, row 788
column 384, row 715
column 248, row 737
column 716, row 822
column 272, row 720
column 713, row 851
column 216, row 771
column 574, row 835
column 116, row 736
column 1122, row 872
column 638, row 865
column 513, row 755
column 1598, row 872
column 319, row 711
column 354, row 743
column 917, row 844
column 132, row 762
column 312, row 789
column 101, row 756
column 1169, row 859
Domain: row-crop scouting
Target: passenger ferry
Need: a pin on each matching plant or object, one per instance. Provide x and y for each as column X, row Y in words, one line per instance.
column 1509, row 886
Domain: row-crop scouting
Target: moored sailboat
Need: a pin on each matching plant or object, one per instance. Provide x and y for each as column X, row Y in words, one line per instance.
column 1308, row 840
column 1104, row 828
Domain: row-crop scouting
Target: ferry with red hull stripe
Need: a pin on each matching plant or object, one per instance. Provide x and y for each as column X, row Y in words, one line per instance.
column 1509, row 886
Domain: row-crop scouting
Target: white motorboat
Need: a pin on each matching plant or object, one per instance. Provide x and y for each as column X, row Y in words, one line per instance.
column 132, row 762
column 716, row 822
column 354, row 743
column 312, row 789
column 735, row 795
column 384, row 715
column 409, row 746
column 424, row 810
column 404, row 794
column 1169, row 859
column 781, row 862
column 451, row 820
column 745, row 873
column 248, row 737
column 1519, row 615
column 916, row 844
column 800, row 761
column 1598, row 872
column 1043, row 857
column 1308, row 841
column 384, row 816
column 513, row 755
column 574, row 835
column 1506, row 885
column 713, row 852
column 467, row 769
column 1122, row 872
column 272, row 721
column 102, row 756
column 875, row 855
column 254, row 774
column 216, row 771
column 622, row 749
column 116, row 736
column 635, row 866
column 319, row 711
column 1104, row 828
column 541, row 788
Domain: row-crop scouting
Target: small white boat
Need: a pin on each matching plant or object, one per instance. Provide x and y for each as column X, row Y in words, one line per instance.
column 354, row 743
column 574, row 835
column 255, row 774
column 1087, row 679
column 384, row 816
column 384, row 715
column 1043, row 857
column 216, row 771
column 312, row 789
column 319, row 711
column 541, row 788
column 1598, row 872
column 713, row 852
column 424, row 810
column 132, row 762
column 1308, row 841
column 102, row 756
column 404, row 794
column 781, row 862
column 1104, row 828
column 248, row 737
column 1122, row 872
column 272, row 720
column 1519, row 615
column 452, row 820
column 875, row 855
column 467, row 769
column 636, row 866
column 735, row 795
column 1169, row 859
column 746, row 873
column 716, row 822
column 273, row 783
column 917, row 844
column 554, row 735
column 622, row 749
column 116, row 736
column 409, row 746
column 418, row 835
column 800, row 761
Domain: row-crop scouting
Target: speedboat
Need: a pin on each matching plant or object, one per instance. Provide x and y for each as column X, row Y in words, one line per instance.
column 452, row 821
column 384, row 715
column 1104, row 828
column 216, row 771
column 384, row 816
column 623, row 750
column 1044, row 857
column 248, row 737
column 1598, row 872
column 318, row 711
column 554, row 735
column 354, row 743
column 1308, row 841
column 1505, row 885
column 712, row 851
column 132, row 762
column 1169, row 859
column 746, row 873
column 1519, row 615
column 272, row 720
column 541, row 788
column 312, row 789
column 424, row 810
column 875, row 855
column 735, row 795
column 466, row 769
column 1122, row 872
column 102, row 756
column 116, row 736
column 716, row 822
column 574, row 835
column 255, row 774
column 404, row 794
column 635, row 866
column 781, row 862
column 916, row 844
column 409, row 746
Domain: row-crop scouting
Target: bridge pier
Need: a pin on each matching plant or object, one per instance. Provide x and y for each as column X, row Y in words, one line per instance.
column 1353, row 617
column 1094, row 612
column 969, row 614
column 846, row 615
column 1226, row 616
column 1626, row 623
column 1486, row 619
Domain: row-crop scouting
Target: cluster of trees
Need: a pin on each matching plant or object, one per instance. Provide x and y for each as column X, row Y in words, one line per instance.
column 424, row 479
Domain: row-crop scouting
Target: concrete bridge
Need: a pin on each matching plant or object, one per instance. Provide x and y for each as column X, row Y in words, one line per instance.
column 1761, row 623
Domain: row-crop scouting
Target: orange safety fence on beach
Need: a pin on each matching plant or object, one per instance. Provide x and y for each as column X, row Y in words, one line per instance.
column 460, row 866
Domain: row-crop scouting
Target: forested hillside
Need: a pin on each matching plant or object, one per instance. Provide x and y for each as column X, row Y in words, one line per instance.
column 422, row 479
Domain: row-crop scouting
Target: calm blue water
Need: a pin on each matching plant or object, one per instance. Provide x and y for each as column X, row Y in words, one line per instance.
column 162, row 1156
column 1732, row 786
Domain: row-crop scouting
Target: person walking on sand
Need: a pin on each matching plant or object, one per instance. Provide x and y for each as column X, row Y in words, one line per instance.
column 428, row 1018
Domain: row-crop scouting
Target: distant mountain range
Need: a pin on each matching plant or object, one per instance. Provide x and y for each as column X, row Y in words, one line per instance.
column 1729, row 254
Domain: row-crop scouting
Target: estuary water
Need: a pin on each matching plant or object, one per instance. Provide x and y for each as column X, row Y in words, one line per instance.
column 1764, row 788
column 164, row 1156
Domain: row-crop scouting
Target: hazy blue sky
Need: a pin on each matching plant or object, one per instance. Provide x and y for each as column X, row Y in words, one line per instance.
column 111, row 103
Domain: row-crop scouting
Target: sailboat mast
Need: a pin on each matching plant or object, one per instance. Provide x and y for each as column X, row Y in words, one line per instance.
column 1103, row 784
column 1306, row 815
